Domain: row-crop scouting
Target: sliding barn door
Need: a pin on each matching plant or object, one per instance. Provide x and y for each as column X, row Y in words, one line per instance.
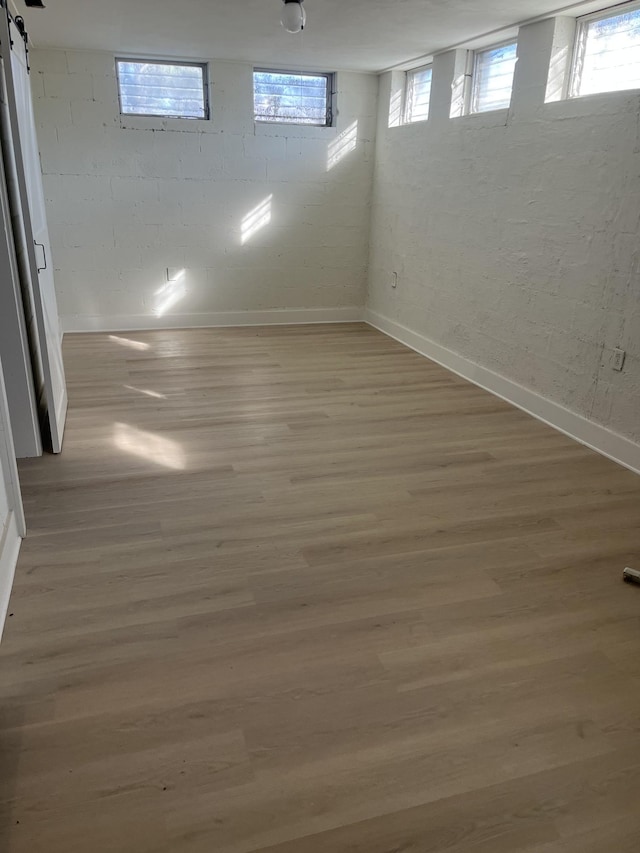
column 15, row 351
column 46, row 338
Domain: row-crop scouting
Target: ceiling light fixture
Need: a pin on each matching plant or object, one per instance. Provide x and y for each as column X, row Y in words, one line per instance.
column 294, row 17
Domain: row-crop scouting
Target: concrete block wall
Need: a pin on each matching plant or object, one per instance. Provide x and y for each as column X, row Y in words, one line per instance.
column 516, row 234
column 130, row 197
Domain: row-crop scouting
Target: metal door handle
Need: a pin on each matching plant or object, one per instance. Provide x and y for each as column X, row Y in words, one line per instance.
column 44, row 255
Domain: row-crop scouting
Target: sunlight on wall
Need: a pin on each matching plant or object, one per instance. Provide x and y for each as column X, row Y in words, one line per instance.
column 342, row 145
column 170, row 293
column 395, row 108
column 256, row 219
column 149, row 446
column 458, row 90
column 148, row 393
column 558, row 70
column 128, row 342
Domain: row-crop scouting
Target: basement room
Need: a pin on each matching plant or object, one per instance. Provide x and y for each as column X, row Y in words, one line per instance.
column 319, row 426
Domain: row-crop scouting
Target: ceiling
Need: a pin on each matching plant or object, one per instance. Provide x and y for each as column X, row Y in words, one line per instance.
column 361, row 35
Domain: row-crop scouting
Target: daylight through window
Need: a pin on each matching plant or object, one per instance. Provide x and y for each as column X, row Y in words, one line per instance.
column 292, row 98
column 164, row 89
column 493, row 78
column 418, row 94
column 607, row 55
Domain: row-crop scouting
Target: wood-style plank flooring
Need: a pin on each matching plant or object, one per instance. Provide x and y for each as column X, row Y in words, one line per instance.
column 300, row 590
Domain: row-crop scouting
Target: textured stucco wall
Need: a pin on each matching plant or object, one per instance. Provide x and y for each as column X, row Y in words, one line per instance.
column 515, row 235
column 129, row 197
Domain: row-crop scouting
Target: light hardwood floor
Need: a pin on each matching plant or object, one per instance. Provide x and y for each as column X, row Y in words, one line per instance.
column 300, row 590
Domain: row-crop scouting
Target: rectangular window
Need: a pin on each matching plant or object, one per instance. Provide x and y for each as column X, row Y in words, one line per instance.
column 493, row 77
column 416, row 106
column 293, row 97
column 162, row 88
column 607, row 53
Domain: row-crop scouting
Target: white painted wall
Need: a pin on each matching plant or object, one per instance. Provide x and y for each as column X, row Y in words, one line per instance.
column 4, row 496
column 514, row 233
column 11, row 514
column 516, row 236
column 129, row 197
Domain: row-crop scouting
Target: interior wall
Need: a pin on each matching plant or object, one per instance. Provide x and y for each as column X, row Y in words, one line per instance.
column 4, row 494
column 130, row 197
column 10, row 497
column 515, row 236
column 11, row 514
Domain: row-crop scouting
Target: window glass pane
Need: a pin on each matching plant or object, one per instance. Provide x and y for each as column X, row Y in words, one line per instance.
column 418, row 95
column 493, row 78
column 162, row 89
column 291, row 98
column 609, row 54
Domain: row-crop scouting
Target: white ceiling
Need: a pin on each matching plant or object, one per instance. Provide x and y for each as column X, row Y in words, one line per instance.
column 363, row 35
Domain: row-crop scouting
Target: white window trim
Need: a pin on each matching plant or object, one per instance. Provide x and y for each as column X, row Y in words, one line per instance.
column 580, row 42
column 331, row 96
column 405, row 100
column 474, row 76
column 154, row 61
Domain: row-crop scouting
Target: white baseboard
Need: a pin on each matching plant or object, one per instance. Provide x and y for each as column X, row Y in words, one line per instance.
column 10, row 542
column 270, row 317
column 610, row 444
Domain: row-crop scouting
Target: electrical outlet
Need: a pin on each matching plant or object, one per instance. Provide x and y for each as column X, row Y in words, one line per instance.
column 394, row 280
column 618, row 359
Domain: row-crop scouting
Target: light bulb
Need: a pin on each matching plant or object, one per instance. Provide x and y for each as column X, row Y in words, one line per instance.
column 293, row 16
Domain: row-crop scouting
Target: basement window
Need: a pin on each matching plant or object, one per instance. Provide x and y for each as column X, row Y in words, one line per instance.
column 162, row 88
column 289, row 97
column 607, row 52
column 493, row 77
column 418, row 94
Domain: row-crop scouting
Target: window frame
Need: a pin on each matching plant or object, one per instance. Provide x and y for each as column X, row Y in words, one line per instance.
column 408, row 74
column 330, row 112
column 206, row 102
column 474, row 76
column 580, row 43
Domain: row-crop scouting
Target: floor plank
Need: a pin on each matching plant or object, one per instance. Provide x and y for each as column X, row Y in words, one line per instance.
column 298, row 589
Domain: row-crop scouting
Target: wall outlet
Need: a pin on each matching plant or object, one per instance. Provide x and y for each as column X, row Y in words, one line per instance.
column 394, row 280
column 618, row 359
column 174, row 273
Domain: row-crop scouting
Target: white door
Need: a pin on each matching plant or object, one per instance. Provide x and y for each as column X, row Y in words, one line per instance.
column 14, row 339
column 38, row 250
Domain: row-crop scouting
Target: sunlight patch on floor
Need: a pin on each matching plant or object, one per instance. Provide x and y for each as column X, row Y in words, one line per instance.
column 149, row 446
column 130, row 343
column 146, row 392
